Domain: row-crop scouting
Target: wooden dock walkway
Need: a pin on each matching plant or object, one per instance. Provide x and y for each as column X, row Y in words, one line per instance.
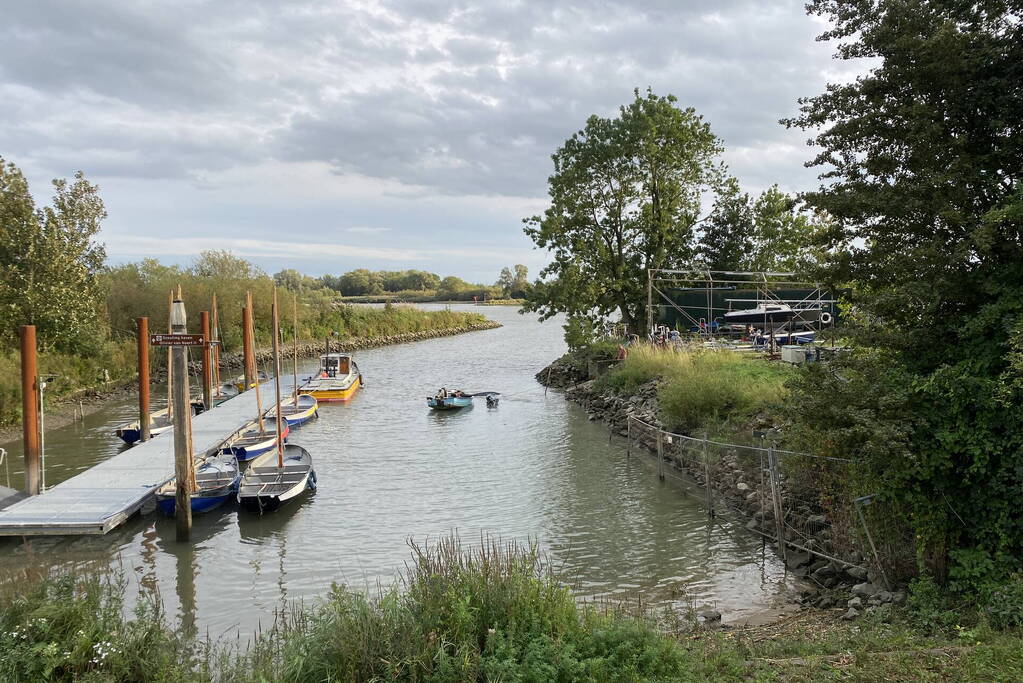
column 105, row 495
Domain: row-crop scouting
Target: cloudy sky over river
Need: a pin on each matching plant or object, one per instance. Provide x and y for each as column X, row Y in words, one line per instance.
column 327, row 136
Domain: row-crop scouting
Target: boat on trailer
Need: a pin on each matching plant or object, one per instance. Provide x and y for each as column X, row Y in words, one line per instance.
column 762, row 314
column 337, row 379
column 265, row 486
column 216, row 480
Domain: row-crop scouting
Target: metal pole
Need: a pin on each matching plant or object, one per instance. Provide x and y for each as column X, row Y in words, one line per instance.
column 660, row 454
column 182, row 426
column 207, row 374
column 649, row 300
column 255, row 370
column 142, row 325
column 706, row 476
column 30, row 409
column 779, row 523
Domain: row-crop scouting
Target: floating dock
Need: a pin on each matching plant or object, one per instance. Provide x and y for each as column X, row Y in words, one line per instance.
column 105, row 495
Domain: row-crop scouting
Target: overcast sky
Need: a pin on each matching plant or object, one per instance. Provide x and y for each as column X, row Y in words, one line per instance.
column 386, row 134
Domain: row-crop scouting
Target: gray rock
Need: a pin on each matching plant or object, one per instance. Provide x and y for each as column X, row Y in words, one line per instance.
column 709, row 615
column 855, row 603
column 899, row 597
column 856, row 573
column 800, row 572
column 824, row 574
column 742, row 486
column 824, row 602
column 884, row 596
column 795, row 559
column 817, row 565
column 851, row 614
column 865, row 590
column 816, row 520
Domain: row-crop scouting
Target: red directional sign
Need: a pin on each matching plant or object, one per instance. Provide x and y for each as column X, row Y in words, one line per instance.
column 176, row 339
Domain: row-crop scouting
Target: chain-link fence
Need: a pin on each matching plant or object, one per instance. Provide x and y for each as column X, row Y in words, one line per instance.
column 801, row 502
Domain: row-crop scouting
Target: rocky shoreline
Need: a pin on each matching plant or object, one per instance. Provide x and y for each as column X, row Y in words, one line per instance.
column 853, row 585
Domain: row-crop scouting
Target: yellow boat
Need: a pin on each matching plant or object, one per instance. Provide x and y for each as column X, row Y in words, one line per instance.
column 337, row 379
column 239, row 381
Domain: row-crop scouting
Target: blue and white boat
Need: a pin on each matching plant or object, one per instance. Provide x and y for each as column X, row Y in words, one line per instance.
column 159, row 422
column 252, row 443
column 217, row 480
column 298, row 410
column 450, row 401
column 274, row 479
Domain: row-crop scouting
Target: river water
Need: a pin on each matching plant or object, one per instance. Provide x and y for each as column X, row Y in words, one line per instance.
column 391, row 470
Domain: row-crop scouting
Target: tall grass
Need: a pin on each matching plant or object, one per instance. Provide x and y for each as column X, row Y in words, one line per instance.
column 490, row 612
column 701, row 388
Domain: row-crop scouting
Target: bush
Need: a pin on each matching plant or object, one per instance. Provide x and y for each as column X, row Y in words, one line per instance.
column 1005, row 605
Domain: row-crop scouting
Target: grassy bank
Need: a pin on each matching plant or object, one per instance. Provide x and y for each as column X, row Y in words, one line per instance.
column 116, row 361
column 701, row 389
column 487, row 613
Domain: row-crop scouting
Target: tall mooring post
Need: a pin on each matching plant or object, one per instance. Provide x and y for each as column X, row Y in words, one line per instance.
column 182, row 426
column 250, row 373
column 30, row 409
column 142, row 325
column 207, row 369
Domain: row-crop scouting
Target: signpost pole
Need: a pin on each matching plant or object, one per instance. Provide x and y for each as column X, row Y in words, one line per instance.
column 207, row 371
column 182, row 426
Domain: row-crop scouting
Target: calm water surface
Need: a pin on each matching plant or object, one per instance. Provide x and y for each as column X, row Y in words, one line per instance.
column 390, row 470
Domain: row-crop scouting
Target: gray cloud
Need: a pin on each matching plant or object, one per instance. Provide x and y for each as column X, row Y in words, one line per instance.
column 431, row 97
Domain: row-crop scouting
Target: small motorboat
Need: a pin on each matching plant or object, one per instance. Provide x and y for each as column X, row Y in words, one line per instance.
column 252, row 443
column 452, row 401
column 763, row 314
column 159, row 422
column 298, row 410
column 217, row 480
column 267, row 483
column 337, row 379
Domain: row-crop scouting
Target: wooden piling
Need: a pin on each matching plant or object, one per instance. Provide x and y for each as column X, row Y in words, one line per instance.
column 207, row 370
column 182, row 427
column 142, row 327
column 215, row 332
column 247, row 346
column 30, row 409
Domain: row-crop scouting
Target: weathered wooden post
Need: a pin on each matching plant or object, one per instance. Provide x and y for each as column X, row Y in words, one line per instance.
column 30, row 409
column 207, row 371
column 706, row 475
column 247, row 347
column 779, row 522
column 143, row 340
column 660, row 454
column 182, row 426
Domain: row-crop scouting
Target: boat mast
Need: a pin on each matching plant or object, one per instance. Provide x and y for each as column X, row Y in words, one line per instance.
column 216, row 347
column 255, row 368
column 275, row 324
column 295, row 359
column 170, row 377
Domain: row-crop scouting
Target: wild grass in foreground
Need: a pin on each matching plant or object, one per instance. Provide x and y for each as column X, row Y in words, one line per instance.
column 701, row 388
column 486, row 613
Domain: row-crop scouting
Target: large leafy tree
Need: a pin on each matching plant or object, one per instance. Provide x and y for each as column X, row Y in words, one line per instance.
column 922, row 163
column 50, row 261
column 626, row 196
column 727, row 239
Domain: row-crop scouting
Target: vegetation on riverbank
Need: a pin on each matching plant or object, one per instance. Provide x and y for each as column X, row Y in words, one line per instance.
column 490, row 612
column 701, row 389
column 116, row 361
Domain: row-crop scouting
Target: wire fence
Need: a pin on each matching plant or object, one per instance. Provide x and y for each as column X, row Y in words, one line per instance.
column 803, row 503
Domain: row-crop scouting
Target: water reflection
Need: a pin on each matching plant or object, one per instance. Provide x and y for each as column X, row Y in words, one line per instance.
column 390, row 469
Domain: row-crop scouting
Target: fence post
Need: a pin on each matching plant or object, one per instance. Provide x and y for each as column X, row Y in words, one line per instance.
column 706, row 476
column 779, row 523
column 628, row 436
column 859, row 503
column 660, row 454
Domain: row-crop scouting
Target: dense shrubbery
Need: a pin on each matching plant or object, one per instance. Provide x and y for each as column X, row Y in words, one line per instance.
column 701, row 388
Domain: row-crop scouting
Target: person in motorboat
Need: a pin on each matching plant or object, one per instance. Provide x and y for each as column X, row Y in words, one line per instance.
column 442, row 394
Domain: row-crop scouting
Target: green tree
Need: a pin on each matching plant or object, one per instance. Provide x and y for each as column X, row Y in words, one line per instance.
column 626, row 196
column 506, row 281
column 726, row 241
column 50, row 261
column 783, row 237
column 922, row 163
column 520, row 283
